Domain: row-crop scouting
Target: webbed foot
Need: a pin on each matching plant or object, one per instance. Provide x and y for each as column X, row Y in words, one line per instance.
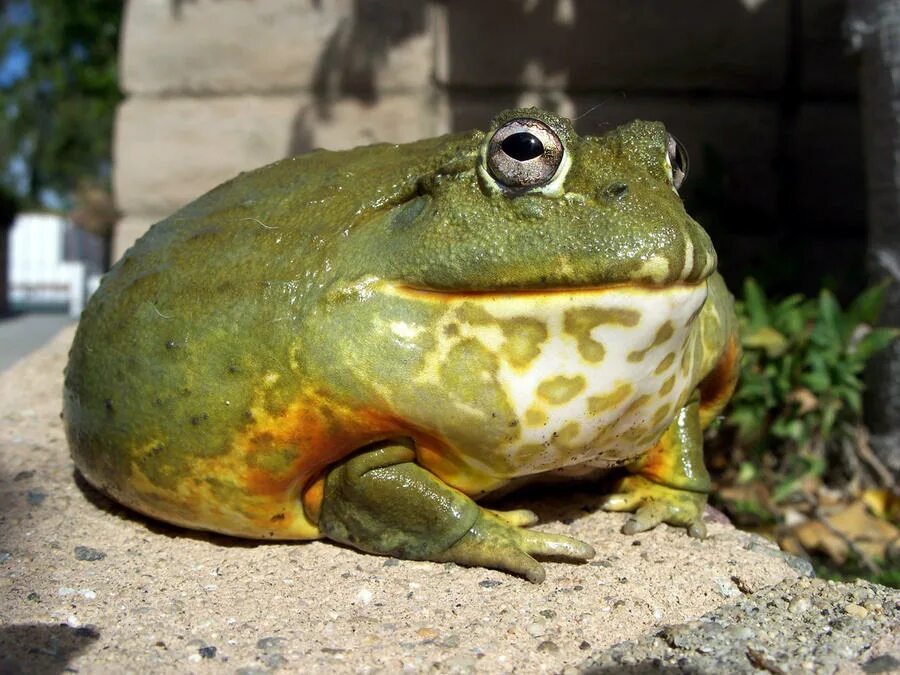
column 670, row 483
column 381, row 501
column 654, row 504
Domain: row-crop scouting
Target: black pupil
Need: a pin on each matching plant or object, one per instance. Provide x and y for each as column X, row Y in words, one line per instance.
column 522, row 146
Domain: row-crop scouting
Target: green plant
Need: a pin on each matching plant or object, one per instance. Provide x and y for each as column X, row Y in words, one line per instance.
column 800, row 392
column 790, row 458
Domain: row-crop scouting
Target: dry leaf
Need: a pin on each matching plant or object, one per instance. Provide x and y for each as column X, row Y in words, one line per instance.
column 805, row 399
column 870, row 534
column 814, row 535
column 882, row 502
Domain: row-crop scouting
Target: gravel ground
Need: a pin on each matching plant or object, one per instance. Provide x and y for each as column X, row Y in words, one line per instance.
column 88, row 586
column 806, row 625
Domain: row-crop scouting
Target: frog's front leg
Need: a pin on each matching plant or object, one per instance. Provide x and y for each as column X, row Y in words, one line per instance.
column 381, row 501
column 670, row 483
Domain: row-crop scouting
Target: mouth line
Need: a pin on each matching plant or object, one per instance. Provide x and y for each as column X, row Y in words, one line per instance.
column 447, row 293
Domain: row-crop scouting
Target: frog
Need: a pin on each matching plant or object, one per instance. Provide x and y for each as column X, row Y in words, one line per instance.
column 363, row 345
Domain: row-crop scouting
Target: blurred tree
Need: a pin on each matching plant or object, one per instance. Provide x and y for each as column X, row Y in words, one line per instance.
column 58, row 96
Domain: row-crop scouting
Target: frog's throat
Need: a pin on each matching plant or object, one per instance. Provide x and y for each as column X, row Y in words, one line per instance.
column 588, row 376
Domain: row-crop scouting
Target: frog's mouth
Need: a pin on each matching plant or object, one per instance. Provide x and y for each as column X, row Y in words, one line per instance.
column 655, row 274
column 449, row 294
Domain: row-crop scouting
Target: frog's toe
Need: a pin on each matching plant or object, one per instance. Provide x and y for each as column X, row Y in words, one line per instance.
column 621, row 501
column 653, row 504
column 517, row 517
column 474, row 552
column 650, row 515
column 556, row 545
column 493, row 542
column 645, row 518
column 697, row 529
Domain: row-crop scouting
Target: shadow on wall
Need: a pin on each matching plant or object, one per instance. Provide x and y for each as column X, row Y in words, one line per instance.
column 349, row 63
column 43, row 648
column 586, row 47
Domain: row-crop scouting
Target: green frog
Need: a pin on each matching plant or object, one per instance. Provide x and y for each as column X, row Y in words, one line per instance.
column 359, row 345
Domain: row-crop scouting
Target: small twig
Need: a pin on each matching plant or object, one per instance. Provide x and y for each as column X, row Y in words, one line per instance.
column 864, row 450
column 854, row 466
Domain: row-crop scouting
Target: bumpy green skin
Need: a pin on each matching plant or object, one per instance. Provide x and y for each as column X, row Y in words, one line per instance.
column 255, row 340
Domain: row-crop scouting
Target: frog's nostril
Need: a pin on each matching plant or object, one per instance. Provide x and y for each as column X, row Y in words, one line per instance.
column 523, row 146
column 613, row 191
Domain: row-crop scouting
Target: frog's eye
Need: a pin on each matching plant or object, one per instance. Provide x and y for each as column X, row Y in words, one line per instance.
column 677, row 158
column 524, row 153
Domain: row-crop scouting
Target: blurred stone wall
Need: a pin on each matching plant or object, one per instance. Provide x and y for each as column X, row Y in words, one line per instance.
column 762, row 93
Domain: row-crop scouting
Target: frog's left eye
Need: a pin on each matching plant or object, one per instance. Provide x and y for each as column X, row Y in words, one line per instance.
column 524, row 153
column 677, row 158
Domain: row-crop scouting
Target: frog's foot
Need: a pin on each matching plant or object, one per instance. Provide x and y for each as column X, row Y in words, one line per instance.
column 381, row 501
column 653, row 504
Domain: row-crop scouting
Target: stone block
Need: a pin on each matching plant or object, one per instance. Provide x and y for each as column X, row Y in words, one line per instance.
column 127, row 231
column 235, row 46
column 348, row 123
column 170, row 151
column 635, row 45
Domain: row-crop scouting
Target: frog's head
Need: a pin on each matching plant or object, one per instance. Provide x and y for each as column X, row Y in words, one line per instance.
column 531, row 205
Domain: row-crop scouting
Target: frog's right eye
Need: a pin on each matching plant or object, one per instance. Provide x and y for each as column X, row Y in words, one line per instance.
column 524, row 153
column 677, row 161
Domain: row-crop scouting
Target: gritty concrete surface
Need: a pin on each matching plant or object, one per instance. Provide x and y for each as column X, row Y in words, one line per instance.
column 88, row 586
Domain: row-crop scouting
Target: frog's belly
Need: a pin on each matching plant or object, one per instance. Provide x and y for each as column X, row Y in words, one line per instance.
column 611, row 371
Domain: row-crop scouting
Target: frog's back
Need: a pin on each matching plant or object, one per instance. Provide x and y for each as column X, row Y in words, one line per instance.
column 181, row 374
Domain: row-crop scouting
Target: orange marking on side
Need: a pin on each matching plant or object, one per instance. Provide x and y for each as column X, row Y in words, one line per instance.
column 255, row 488
column 270, row 483
column 659, row 462
column 717, row 387
column 312, row 498
column 319, row 437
